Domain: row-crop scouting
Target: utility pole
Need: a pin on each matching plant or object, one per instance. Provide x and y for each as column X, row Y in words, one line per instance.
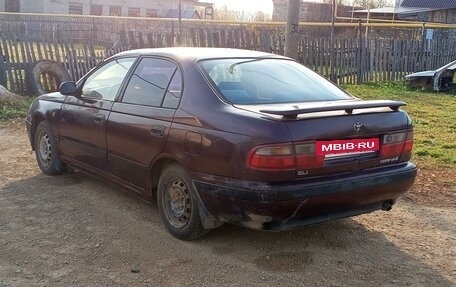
column 332, row 56
column 292, row 30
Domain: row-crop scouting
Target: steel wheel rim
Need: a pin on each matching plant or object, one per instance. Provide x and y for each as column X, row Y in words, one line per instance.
column 176, row 203
column 44, row 149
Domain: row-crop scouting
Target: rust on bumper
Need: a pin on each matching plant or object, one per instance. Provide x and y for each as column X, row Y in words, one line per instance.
column 286, row 206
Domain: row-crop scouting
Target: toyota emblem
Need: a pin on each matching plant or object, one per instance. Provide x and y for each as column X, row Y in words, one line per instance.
column 357, row 126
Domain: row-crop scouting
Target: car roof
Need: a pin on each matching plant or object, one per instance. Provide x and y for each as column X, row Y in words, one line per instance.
column 196, row 54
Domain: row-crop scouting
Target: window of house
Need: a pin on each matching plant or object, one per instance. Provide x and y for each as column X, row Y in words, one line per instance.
column 12, row 5
column 152, row 13
column 133, row 12
column 156, row 83
column 115, row 11
column 96, row 10
column 75, row 8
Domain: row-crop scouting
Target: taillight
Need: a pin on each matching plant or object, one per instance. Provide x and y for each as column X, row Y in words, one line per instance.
column 285, row 157
column 272, row 157
column 395, row 144
column 408, row 146
column 306, row 157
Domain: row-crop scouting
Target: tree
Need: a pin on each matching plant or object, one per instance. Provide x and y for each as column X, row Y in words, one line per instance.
column 229, row 15
column 260, row 16
column 371, row 4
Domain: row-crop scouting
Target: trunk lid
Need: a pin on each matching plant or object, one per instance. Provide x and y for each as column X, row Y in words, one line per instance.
column 342, row 122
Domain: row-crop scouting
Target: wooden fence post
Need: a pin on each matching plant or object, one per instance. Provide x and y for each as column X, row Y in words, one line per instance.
column 193, row 37
column 423, row 48
column 3, row 77
column 141, row 40
column 360, row 70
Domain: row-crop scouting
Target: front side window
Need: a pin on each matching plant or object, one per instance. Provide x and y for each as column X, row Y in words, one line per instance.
column 105, row 82
column 156, row 83
column 268, row 81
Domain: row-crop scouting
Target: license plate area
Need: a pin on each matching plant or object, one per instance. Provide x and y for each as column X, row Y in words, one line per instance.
column 358, row 155
column 349, row 148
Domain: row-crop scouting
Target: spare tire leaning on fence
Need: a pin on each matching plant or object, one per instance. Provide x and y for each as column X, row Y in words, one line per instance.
column 48, row 69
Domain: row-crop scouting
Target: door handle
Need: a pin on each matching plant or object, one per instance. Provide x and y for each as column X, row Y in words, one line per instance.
column 99, row 118
column 157, row 130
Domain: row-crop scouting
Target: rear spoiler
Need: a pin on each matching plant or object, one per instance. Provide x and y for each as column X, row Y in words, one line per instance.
column 290, row 113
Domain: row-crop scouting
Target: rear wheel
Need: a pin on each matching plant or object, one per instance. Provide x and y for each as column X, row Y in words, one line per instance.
column 46, row 151
column 178, row 204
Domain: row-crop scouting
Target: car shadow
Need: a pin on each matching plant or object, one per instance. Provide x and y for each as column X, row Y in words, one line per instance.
column 78, row 207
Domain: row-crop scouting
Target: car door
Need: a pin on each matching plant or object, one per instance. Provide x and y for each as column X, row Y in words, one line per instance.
column 138, row 125
column 83, row 121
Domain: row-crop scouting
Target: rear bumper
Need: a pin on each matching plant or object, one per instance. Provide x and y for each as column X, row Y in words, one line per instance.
column 286, row 206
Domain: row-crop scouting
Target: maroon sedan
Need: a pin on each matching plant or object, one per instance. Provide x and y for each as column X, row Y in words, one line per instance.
column 224, row 135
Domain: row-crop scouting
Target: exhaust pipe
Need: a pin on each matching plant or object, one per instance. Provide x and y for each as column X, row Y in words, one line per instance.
column 387, row 205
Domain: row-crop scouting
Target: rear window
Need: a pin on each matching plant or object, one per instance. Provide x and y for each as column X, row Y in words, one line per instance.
column 268, row 81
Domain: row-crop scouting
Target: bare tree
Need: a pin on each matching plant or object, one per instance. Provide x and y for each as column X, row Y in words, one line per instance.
column 226, row 14
column 260, row 16
column 368, row 3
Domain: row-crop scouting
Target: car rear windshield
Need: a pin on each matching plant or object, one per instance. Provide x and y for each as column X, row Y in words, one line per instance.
column 267, row 81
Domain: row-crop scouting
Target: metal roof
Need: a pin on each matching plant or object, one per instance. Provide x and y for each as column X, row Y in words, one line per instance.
column 433, row 4
column 186, row 14
column 395, row 10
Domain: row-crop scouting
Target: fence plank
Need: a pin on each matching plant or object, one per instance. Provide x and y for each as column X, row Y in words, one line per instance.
column 3, row 68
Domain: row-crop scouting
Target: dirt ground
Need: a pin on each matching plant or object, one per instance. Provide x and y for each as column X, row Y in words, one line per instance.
column 74, row 230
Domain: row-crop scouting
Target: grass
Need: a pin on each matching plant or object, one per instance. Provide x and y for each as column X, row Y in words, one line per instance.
column 14, row 109
column 434, row 119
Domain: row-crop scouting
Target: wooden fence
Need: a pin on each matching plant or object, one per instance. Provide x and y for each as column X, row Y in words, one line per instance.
column 357, row 59
column 372, row 60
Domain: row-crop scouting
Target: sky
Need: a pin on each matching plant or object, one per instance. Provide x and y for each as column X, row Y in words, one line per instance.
column 251, row 5
column 245, row 5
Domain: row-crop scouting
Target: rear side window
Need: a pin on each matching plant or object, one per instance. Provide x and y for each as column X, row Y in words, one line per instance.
column 156, row 83
column 264, row 81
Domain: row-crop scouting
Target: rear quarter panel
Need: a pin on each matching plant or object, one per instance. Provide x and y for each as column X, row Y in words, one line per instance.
column 212, row 137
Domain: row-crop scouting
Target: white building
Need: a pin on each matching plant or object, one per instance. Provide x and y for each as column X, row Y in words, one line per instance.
column 132, row 8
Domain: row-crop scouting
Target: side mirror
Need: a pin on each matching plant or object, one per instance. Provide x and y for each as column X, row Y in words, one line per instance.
column 68, row 88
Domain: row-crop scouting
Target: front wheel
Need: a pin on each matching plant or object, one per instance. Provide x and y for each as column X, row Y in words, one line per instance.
column 178, row 204
column 46, row 151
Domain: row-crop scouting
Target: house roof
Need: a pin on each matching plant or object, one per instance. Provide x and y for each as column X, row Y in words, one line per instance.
column 434, row 4
column 186, row 14
column 204, row 4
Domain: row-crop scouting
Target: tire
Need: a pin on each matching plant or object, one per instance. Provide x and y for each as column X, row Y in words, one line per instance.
column 49, row 67
column 46, row 152
column 181, row 214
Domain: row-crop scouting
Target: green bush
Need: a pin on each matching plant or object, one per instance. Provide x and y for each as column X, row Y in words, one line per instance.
column 14, row 109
